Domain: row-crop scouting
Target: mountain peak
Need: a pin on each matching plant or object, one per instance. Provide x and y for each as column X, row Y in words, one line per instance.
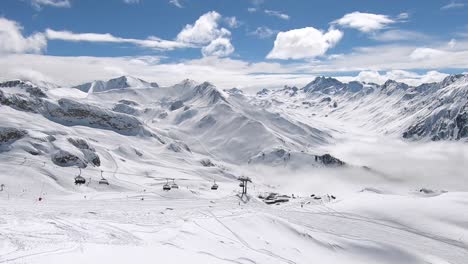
column 321, row 83
column 453, row 78
column 122, row 82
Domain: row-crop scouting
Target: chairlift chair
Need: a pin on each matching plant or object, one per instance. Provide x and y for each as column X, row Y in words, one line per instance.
column 214, row 186
column 79, row 179
column 174, row 185
column 241, row 184
column 103, row 180
column 166, row 186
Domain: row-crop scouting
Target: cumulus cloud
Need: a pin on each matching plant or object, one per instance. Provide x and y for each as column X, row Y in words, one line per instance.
column 204, row 30
column 220, row 47
column 277, row 14
column 426, row 53
column 407, row 77
column 151, row 42
column 304, row 43
column 453, row 5
column 365, row 22
column 53, row 3
column 263, row 32
column 13, row 41
column 176, row 3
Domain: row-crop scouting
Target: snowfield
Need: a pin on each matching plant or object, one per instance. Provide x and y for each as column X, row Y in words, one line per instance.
column 341, row 173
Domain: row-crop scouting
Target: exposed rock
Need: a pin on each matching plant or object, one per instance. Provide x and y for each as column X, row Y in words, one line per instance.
column 207, row 163
column 36, row 92
column 21, row 102
column 128, row 102
column 88, row 151
column 10, row 134
column 80, row 143
column 66, row 159
column 176, row 105
column 71, row 112
column 329, row 160
column 178, row 146
column 124, row 108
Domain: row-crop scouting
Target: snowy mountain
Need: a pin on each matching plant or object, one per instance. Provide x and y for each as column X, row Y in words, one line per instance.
column 324, row 160
column 122, row 82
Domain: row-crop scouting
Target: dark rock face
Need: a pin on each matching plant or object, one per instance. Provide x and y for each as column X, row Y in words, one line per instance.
column 443, row 126
column 176, row 105
column 79, row 143
column 88, row 151
column 66, row 159
column 178, row 147
column 329, row 160
column 124, row 108
column 21, row 102
column 264, row 91
column 74, row 113
column 207, row 163
column 10, row 134
column 36, row 92
column 461, row 122
column 32, row 90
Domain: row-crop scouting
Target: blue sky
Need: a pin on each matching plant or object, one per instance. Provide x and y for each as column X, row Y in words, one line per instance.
column 256, row 42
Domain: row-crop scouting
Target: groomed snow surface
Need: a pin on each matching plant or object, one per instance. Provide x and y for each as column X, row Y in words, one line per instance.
column 401, row 195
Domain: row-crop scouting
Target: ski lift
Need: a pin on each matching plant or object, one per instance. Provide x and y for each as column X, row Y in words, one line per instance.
column 79, row 179
column 166, row 186
column 174, row 185
column 214, row 187
column 103, row 180
column 241, row 185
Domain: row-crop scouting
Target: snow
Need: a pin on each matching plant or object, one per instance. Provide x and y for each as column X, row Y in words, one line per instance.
column 396, row 199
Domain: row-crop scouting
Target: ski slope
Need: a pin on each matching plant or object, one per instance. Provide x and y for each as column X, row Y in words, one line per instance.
column 398, row 198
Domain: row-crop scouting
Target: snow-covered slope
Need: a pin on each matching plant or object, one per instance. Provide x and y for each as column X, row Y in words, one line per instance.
column 122, row 82
column 335, row 153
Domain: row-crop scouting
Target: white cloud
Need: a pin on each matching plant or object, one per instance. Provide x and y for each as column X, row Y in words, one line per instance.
column 277, row 14
column 400, row 35
column 452, row 43
column 131, row 2
column 263, row 32
column 151, row 42
column 403, row 16
column 220, row 47
column 54, row 3
column 304, row 43
column 407, row 77
column 204, row 30
column 426, row 53
column 232, row 22
column 453, row 5
column 397, row 56
column 176, row 3
column 223, row 72
column 13, row 41
column 251, row 9
column 365, row 22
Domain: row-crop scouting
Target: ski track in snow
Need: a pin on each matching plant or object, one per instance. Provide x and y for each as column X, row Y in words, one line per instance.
column 55, row 228
column 393, row 220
